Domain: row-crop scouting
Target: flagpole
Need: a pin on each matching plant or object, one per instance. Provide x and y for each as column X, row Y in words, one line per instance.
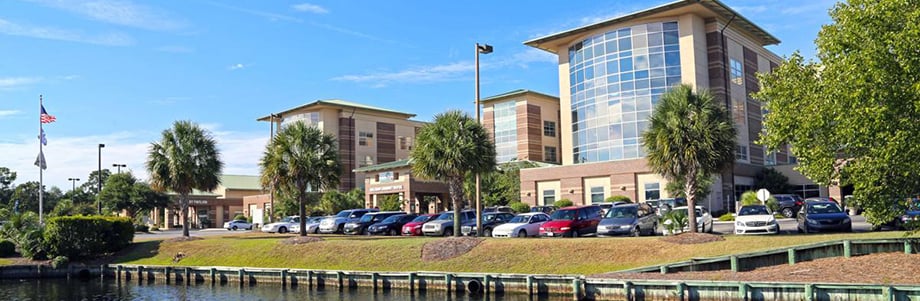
column 41, row 185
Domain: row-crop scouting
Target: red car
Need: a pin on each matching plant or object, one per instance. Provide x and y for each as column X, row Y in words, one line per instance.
column 572, row 222
column 414, row 228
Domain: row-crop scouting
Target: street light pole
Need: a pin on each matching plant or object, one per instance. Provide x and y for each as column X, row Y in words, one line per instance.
column 119, row 166
column 484, row 49
column 73, row 184
column 271, row 186
column 99, row 181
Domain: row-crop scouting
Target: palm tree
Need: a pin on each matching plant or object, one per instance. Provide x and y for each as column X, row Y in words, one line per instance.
column 185, row 158
column 448, row 150
column 688, row 135
column 300, row 158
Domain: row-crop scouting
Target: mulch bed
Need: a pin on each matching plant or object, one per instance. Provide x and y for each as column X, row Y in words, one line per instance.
column 447, row 248
column 692, row 238
column 881, row 268
column 299, row 240
column 183, row 239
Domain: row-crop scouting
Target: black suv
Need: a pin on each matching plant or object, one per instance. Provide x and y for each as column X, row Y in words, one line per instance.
column 489, row 222
column 360, row 226
column 789, row 204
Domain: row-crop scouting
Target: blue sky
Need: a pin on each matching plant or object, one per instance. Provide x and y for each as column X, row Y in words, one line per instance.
column 118, row 72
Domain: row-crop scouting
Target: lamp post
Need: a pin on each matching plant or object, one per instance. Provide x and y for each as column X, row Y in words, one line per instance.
column 271, row 187
column 119, row 166
column 484, row 49
column 73, row 183
column 99, row 181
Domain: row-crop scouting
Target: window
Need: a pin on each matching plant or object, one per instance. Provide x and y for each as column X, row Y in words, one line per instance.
column 652, row 191
column 808, row 191
column 365, row 139
column 549, row 154
column 549, row 197
column 737, row 72
column 549, row 128
column 770, row 159
column 597, row 194
column 505, row 131
column 741, row 152
column 368, row 161
column 405, row 143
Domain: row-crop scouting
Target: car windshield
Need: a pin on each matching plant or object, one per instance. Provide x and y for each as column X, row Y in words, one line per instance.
column 343, row 214
column 489, row 217
column 446, row 216
column 684, row 211
column 753, row 210
column 564, row 215
column 421, row 219
column 367, row 218
column 289, row 219
column 393, row 219
column 622, row 212
column 824, row 208
column 519, row 219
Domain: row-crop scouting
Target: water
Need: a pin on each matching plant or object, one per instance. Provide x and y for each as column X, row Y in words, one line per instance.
column 63, row 289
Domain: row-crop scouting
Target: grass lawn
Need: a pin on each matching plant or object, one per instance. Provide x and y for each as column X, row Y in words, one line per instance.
column 544, row 256
column 4, row 261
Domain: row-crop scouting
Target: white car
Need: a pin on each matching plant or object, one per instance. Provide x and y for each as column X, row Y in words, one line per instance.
column 522, row 225
column 312, row 225
column 755, row 219
column 237, row 224
column 283, row 226
column 703, row 219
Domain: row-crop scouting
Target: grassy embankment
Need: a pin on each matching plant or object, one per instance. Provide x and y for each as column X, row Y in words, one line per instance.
column 544, row 256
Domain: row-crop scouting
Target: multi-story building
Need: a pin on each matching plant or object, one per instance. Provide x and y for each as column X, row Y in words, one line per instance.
column 524, row 126
column 611, row 76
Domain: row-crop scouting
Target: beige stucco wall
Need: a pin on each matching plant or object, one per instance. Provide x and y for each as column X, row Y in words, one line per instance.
column 642, row 179
column 547, row 185
column 589, row 183
column 694, row 62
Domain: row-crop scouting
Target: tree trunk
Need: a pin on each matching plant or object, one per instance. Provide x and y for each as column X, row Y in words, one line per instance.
column 301, row 199
column 455, row 188
column 690, row 191
column 183, row 202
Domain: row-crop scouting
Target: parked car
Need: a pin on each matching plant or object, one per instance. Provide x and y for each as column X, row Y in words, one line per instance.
column 819, row 216
column 703, row 219
column 336, row 224
column 359, row 226
column 282, row 226
column 489, row 221
column 312, row 224
column 755, row 219
column 605, row 206
column 522, row 225
column 414, row 227
column 572, row 221
column 662, row 206
column 629, row 219
column 545, row 209
column 822, row 199
column 231, row 225
column 789, row 204
column 391, row 226
column 497, row 209
column 443, row 225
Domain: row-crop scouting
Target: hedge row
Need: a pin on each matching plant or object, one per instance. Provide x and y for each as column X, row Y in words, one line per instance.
column 87, row 236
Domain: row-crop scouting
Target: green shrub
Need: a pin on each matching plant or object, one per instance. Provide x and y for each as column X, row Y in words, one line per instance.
column 728, row 217
column 24, row 231
column 563, row 203
column 239, row 217
column 32, row 245
column 678, row 220
column 87, row 236
column 141, row 228
column 60, row 262
column 519, row 207
column 7, row 248
column 773, row 204
column 749, row 198
column 389, row 202
column 618, row 198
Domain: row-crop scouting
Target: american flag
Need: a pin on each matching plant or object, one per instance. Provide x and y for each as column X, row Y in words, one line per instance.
column 45, row 117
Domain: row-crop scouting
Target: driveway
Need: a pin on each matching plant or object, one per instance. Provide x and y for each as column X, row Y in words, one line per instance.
column 156, row 235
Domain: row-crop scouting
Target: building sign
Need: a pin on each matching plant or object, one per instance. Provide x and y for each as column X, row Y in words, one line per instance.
column 386, row 188
column 197, row 202
column 386, row 177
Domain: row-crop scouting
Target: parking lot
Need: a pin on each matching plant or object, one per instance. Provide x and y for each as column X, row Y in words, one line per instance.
column 788, row 225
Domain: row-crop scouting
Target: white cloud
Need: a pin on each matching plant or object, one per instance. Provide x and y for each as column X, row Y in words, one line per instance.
column 236, row 67
column 13, row 82
column 310, row 8
column 8, row 113
column 175, row 49
column 268, row 15
column 69, row 157
column 749, row 10
column 51, row 33
column 123, row 13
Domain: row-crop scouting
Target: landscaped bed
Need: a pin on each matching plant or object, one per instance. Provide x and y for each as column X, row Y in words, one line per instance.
column 882, row 268
column 536, row 256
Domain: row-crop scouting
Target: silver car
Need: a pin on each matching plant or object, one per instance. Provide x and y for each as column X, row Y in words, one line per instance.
column 443, row 225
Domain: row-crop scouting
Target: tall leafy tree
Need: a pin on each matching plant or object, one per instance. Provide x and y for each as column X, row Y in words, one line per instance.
column 123, row 192
column 450, row 149
column 851, row 117
column 7, row 177
column 185, row 158
column 92, row 181
column 501, row 186
column 298, row 159
column 689, row 134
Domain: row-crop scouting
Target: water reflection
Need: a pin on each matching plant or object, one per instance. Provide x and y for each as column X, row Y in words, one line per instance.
column 63, row 289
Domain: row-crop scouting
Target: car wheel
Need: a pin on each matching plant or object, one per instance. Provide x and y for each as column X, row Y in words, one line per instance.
column 788, row 213
column 448, row 232
column 282, row 230
column 341, row 229
column 522, row 233
column 710, row 228
column 487, row 233
column 234, row 228
column 316, row 230
column 392, row 232
column 636, row 232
